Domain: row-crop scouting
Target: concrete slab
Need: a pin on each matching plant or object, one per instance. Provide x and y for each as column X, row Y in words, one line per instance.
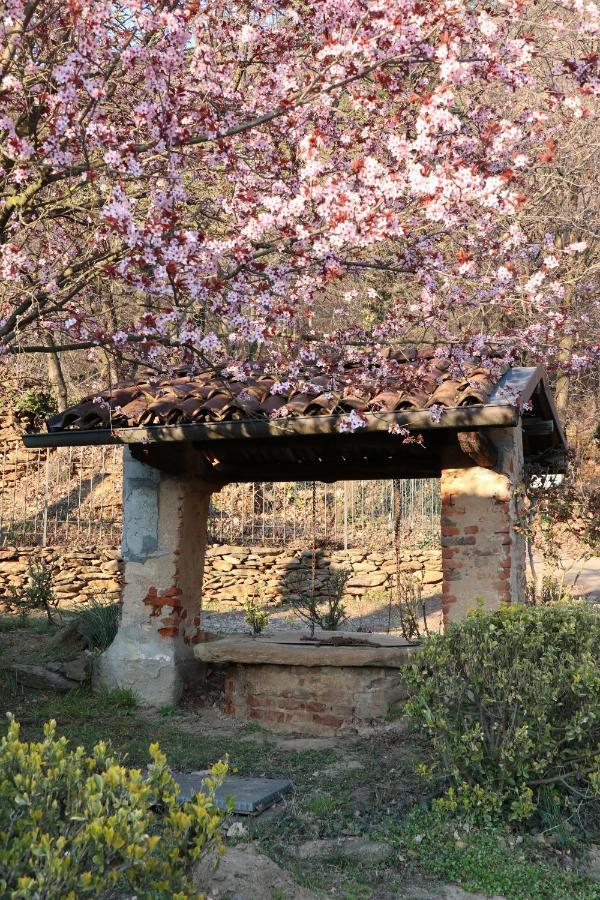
column 250, row 795
column 290, row 649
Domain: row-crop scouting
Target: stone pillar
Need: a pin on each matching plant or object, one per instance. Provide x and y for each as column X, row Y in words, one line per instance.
column 164, row 542
column 483, row 553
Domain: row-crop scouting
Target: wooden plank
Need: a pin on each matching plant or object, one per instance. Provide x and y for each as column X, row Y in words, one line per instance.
column 538, row 426
column 321, row 472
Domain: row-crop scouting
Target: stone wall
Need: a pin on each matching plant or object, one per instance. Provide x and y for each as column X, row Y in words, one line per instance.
column 273, row 574
column 231, row 573
column 76, row 575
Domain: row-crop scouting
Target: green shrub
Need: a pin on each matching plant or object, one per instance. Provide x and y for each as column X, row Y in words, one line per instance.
column 37, row 594
column 36, row 401
column 512, row 702
column 255, row 617
column 73, row 825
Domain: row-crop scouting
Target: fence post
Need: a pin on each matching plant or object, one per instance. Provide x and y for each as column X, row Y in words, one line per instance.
column 345, row 515
column 46, row 491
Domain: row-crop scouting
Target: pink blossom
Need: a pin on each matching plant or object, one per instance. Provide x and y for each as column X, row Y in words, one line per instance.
column 352, row 422
column 436, row 411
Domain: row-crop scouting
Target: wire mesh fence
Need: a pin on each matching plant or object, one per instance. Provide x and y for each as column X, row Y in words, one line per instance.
column 67, row 496
column 72, row 496
column 348, row 513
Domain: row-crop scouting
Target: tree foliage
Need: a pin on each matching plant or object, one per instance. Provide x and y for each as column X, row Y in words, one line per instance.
column 207, row 183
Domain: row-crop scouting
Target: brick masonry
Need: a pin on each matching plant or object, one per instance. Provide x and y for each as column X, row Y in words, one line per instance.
column 312, row 700
column 483, row 553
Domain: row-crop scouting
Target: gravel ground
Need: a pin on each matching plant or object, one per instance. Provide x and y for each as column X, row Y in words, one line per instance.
column 228, row 617
column 368, row 615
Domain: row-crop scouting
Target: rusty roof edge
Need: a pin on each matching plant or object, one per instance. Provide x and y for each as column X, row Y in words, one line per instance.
column 520, row 384
column 516, row 385
column 462, row 418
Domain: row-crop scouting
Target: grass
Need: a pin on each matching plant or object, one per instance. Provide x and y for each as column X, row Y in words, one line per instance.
column 99, row 621
column 488, row 861
column 381, row 797
column 31, row 624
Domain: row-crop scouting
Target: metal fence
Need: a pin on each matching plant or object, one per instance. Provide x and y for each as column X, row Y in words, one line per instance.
column 72, row 496
column 68, row 496
column 347, row 513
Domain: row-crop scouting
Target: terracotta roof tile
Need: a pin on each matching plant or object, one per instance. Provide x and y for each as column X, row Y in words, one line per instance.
column 415, row 379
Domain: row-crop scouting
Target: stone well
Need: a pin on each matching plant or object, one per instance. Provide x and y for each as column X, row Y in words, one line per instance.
column 288, row 684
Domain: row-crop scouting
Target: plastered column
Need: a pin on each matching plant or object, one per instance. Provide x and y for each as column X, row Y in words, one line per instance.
column 164, row 542
column 483, row 553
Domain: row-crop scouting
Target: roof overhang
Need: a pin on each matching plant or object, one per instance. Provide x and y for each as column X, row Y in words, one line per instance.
column 465, row 418
column 317, row 446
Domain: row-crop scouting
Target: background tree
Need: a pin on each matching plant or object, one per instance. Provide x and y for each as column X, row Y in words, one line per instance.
column 210, row 183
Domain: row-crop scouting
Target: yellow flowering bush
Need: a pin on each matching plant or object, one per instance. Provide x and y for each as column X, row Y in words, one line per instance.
column 73, row 825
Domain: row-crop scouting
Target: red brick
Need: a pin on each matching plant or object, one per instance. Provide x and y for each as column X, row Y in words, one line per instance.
column 332, row 721
column 471, row 529
column 168, row 632
column 316, row 707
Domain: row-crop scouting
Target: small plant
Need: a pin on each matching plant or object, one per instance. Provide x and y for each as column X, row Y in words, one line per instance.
column 511, row 700
column 37, row 594
column 255, row 617
column 551, row 590
column 99, row 621
column 32, row 407
column 324, row 609
column 410, row 606
column 335, row 612
column 74, row 824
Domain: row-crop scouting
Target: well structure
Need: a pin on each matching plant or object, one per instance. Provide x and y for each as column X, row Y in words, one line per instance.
column 187, row 435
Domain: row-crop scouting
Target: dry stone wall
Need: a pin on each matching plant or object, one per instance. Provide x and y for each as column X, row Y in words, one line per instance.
column 231, row 573
column 76, row 575
column 275, row 575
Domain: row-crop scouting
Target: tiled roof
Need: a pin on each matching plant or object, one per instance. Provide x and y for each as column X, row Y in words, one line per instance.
column 413, row 379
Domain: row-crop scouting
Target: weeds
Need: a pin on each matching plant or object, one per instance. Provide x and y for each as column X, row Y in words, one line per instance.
column 99, row 622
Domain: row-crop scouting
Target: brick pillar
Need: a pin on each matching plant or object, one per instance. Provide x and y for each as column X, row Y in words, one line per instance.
column 164, row 542
column 483, row 555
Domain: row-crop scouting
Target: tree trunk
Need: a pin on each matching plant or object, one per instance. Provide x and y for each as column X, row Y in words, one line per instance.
column 55, row 375
column 563, row 377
